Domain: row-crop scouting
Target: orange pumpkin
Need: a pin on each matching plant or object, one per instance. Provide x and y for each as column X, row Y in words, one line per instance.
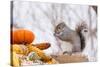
column 22, row 36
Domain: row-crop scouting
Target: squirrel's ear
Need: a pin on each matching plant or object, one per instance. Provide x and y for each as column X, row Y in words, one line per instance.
column 63, row 23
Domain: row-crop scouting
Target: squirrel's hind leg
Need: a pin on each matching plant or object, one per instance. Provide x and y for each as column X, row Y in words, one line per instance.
column 76, row 49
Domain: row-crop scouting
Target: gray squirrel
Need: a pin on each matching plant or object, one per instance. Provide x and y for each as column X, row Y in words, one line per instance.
column 75, row 37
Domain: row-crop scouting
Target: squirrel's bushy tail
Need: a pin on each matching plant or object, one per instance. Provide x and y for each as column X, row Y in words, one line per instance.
column 79, row 28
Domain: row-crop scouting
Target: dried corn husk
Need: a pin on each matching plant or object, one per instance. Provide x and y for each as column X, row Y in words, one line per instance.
column 40, row 53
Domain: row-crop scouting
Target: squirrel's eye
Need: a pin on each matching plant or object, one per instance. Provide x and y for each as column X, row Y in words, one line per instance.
column 58, row 27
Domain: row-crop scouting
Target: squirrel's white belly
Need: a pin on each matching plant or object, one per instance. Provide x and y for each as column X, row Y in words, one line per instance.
column 66, row 47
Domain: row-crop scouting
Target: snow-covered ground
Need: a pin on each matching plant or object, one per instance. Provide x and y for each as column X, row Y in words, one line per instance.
column 41, row 18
